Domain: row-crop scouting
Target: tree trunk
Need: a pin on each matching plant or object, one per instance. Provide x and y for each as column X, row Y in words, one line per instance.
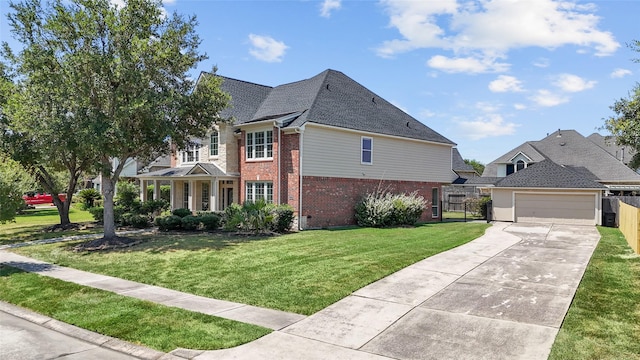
column 108, row 190
column 63, row 209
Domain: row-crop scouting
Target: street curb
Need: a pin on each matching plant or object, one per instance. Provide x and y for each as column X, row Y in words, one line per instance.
column 91, row 337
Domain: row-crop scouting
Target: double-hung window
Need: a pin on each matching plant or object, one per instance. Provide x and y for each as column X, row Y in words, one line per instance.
column 191, row 153
column 435, row 203
column 259, row 190
column 259, row 145
column 366, row 157
column 214, row 143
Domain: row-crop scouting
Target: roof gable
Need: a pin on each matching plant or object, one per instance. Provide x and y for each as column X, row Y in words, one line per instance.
column 526, row 149
column 331, row 98
column 547, row 174
column 568, row 147
column 458, row 164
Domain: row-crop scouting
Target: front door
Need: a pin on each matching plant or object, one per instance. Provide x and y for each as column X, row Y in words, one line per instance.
column 226, row 194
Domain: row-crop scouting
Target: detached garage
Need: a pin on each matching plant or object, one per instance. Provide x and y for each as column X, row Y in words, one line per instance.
column 547, row 193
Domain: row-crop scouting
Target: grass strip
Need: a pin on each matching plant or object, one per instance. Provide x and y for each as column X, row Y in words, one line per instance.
column 301, row 272
column 603, row 321
column 141, row 322
column 29, row 226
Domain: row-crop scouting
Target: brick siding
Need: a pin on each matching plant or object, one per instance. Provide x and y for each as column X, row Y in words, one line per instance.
column 328, row 201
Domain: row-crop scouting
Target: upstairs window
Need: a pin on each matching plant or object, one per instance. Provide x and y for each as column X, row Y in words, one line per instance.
column 259, row 145
column 214, row 143
column 366, row 151
column 191, row 153
column 510, row 169
column 520, row 165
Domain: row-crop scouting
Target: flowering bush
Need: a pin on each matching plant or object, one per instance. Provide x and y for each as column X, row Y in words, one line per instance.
column 383, row 209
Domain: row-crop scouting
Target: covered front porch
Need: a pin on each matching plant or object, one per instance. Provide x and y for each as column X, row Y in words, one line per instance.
column 201, row 187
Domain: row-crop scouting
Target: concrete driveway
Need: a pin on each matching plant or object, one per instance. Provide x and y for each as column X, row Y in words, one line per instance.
column 501, row 296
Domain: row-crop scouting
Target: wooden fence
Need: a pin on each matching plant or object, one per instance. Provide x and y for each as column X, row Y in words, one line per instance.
column 630, row 225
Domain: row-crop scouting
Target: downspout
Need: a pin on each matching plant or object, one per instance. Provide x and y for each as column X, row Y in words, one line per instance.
column 300, row 131
column 278, row 201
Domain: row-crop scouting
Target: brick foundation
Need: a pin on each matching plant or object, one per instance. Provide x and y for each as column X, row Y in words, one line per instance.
column 328, row 202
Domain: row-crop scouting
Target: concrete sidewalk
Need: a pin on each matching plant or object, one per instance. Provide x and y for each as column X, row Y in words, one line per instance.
column 501, row 296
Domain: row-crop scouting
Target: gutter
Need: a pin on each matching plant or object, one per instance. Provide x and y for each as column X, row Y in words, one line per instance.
column 300, row 131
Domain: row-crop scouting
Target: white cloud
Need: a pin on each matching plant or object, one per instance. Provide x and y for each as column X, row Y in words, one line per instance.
column 328, row 6
column 487, row 107
column 542, row 63
column 490, row 29
column 489, row 125
column 620, row 73
column 548, row 99
column 505, row 83
column 266, row 48
column 168, row 2
column 573, row 83
column 519, row 106
column 471, row 65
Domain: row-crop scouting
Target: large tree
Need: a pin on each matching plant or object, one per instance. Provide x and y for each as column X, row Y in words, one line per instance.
column 624, row 126
column 477, row 165
column 127, row 71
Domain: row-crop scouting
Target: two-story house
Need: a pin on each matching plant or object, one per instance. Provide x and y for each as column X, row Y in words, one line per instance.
column 318, row 145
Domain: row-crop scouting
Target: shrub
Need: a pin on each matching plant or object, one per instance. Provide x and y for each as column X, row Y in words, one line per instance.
column 182, row 212
column 165, row 192
column 136, row 220
column 154, row 207
column 171, row 222
column 98, row 213
column 383, row 209
column 233, row 217
column 209, row 221
column 477, row 206
column 190, row 222
column 258, row 216
column 127, row 196
column 87, row 198
column 283, row 218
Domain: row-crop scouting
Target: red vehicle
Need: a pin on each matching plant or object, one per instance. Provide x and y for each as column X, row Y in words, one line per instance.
column 33, row 198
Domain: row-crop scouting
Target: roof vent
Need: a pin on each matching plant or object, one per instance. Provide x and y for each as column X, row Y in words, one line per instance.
column 563, row 144
column 408, row 125
column 373, row 100
column 327, row 86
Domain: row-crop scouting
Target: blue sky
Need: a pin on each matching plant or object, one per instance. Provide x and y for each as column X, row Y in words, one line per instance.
column 487, row 74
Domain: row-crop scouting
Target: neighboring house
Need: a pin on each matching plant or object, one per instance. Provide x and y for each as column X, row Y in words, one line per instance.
column 560, row 178
column 318, row 145
column 455, row 194
column 608, row 143
column 132, row 167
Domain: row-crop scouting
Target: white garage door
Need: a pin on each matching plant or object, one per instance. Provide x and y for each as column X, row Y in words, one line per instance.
column 556, row 208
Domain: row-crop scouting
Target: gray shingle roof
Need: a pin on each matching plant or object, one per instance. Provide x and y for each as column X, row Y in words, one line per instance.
column 246, row 97
column 547, row 174
column 568, row 147
column 622, row 153
column 329, row 98
column 210, row 169
column 458, row 163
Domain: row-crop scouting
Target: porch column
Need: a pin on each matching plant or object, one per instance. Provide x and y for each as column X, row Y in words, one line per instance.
column 143, row 190
column 214, row 195
column 192, row 195
column 172, row 195
column 156, row 190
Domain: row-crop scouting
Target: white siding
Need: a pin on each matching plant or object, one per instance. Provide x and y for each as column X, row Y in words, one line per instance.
column 336, row 153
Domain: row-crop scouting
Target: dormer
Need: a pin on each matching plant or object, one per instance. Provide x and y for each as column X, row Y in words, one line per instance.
column 519, row 161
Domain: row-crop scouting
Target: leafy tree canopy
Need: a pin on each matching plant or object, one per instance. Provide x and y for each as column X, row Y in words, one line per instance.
column 115, row 77
column 477, row 165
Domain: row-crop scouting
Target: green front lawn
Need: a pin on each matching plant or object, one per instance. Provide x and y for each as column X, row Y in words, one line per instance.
column 603, row 321
column 301, row 272
column 29, row 226
column 160, row 327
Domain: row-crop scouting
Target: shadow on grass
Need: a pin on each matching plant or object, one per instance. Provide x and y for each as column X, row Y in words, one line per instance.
column 20, row 266
column 183, row 241
column 36, row 232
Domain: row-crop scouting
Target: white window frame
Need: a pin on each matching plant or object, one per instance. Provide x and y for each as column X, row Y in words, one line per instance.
column 186, row 193
column 252, row 148
column 363, row 150
column 192, row 151
column 214, row 143
column 255, row 190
